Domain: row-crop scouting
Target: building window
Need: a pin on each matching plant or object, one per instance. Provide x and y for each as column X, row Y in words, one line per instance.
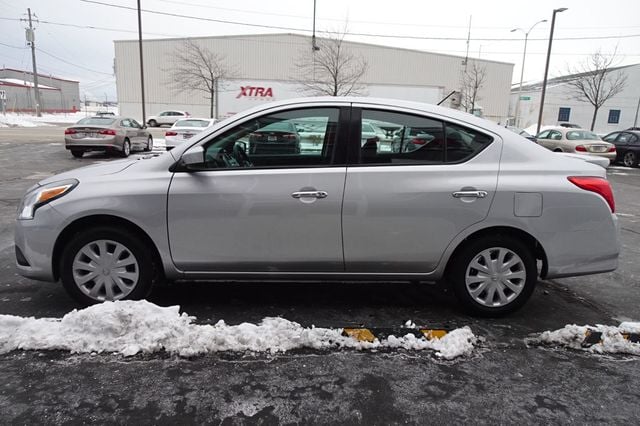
column 564, row 113
column 614, row 116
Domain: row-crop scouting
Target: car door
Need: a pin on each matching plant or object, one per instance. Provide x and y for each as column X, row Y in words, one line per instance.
column 556, row 143
column 402, row 209
column 129, row 132
column 543, row 138
column 140, row 134
column 270, row 212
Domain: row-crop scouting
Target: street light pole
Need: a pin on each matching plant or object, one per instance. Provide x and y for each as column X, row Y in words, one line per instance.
column 546, row 68
column 524, row 57
column 144, row 118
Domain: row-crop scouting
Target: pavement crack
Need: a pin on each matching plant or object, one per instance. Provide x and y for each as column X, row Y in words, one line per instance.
column 631, row 230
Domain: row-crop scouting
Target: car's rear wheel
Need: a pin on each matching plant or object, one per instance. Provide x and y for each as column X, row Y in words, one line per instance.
column 153, row 123
column 126, row 148
column 493, row 276
column 106, row 263
column 149, row 146
column 77, row 153
column 630, row 159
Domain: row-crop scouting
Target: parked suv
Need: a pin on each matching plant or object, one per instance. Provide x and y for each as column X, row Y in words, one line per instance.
column 166, row 117
column 482, row 216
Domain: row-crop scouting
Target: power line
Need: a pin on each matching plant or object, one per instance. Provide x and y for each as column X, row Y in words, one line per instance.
column 71, row 63
column 223, row 21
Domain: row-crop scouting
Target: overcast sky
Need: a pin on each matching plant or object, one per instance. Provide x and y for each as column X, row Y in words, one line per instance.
column 69, row 49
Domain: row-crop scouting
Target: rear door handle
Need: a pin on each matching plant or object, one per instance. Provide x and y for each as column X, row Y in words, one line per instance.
column 310, row 194
column 474, row 194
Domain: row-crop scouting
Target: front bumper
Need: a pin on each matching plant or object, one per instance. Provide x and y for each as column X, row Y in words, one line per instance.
column 34, row 240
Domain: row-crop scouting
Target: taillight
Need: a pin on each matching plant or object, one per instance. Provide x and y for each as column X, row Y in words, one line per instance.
column 170, row 133
column 290, row 137
column 581, row 148
column 107, row 132
column 417, row 141
column 69, row 131
column 612, row 149
column 595, row 184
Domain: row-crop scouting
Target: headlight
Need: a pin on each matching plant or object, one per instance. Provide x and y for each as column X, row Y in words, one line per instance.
column 43, row 195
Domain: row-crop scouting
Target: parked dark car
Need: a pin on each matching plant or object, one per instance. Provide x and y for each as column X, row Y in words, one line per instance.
column 627, row 144
column 276, row 138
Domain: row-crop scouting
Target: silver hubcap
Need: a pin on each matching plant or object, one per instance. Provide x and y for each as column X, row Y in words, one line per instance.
column 105, row 270
column 149, row 144
column 126, row 148
column 628, row 159
column 495, row 277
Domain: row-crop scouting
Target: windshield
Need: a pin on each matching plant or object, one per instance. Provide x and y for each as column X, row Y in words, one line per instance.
column 192, row 123
column 582, row 135
column 101, row 121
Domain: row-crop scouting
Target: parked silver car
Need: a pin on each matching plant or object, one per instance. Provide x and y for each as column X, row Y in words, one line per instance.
column 111, row 134
column 482, row 212
column 579, row 141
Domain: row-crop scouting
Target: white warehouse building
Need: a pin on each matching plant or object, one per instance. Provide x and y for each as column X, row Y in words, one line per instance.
column 265, row 70
column 561, row 105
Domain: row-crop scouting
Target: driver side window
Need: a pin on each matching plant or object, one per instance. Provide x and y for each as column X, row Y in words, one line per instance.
column 296, row 138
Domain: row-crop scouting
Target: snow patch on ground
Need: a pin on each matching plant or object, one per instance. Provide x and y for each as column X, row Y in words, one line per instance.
column 132, row 327
column 613, row 341
column 13, row 120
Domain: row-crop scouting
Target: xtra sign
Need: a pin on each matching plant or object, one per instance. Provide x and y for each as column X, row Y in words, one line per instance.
column 255, row 92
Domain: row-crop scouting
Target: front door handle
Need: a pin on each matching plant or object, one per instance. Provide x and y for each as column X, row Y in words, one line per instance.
column 310, row 194
column 474, row 194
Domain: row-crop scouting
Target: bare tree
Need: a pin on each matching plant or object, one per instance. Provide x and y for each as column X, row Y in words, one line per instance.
column 199, row 69
column 595, row 82
column 330, row 68
column 473, row 80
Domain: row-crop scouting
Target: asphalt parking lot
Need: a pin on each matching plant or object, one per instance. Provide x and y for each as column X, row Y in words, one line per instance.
column 504, row 381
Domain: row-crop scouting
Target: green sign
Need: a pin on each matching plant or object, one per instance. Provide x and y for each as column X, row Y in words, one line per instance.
column 525, row 98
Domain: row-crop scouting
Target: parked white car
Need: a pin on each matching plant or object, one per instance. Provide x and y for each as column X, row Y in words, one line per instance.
column 578, row 141
column 166, row 117
column 183, row 130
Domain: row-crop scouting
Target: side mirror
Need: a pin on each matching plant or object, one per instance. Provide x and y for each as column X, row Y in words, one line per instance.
column 192, row 157
column 144, row 126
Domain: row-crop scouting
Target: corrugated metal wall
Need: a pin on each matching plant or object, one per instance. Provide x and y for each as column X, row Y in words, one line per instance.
column 273, row 57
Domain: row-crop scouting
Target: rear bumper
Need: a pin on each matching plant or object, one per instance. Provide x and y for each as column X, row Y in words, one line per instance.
column 89, row 144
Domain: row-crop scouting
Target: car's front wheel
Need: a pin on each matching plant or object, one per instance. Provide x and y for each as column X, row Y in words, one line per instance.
column 149, row 146
column 153, row 123
column 493, row 276
column 106, row 263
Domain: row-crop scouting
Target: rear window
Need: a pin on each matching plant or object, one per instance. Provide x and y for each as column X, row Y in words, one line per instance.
column 574, row 135
column 280, row 126
column 192, row 123
column 100, row 121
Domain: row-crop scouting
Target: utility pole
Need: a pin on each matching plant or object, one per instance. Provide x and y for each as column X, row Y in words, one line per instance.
column 31, row 40
column 144, row 115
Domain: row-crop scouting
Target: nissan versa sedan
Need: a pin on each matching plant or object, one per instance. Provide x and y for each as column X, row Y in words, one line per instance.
column 111, row 134
column 473, row 205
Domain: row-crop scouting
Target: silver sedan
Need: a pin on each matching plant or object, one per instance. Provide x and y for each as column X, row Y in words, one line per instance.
column 472, row 205
column 119, row 135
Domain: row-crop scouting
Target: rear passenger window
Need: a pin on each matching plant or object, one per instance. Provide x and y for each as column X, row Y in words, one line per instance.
column 397, row 138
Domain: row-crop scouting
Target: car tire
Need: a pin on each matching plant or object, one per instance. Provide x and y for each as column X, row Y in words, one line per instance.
column 126, row 148
column 496, row 295
column 153, row 123
column 77, row 153
column 132, row 281
column 149, row 146
column 630, row 159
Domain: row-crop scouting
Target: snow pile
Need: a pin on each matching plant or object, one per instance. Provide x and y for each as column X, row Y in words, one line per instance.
column 13, row 120
column 612, row 340
column 131, row 327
